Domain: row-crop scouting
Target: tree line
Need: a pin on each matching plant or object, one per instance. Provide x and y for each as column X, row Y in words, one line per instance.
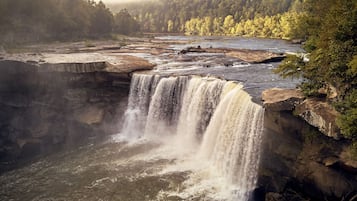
column 214, row 17
column 330, row 27
column 45, row 20
column 276, row 26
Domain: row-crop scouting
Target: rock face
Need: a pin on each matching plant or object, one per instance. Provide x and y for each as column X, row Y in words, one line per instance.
column 300, row 160
column 316, row 112
column 60, row 100
column 299, row 163
column 321, row 115
column 281, row 99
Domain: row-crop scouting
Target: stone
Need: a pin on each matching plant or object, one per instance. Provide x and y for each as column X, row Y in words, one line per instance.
column 348, row 162
column 330, row 161
column 90, row 115
column 274, row 197
column 277, row 99
column 320, row 115
column 317, row 179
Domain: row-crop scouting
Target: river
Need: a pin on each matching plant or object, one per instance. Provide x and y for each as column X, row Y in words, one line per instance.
column 185, row 137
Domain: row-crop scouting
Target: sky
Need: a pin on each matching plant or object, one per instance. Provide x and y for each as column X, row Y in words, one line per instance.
column 119, row 1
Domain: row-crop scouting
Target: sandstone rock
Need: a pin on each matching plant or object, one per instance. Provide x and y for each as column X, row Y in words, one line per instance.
column 293, row 161
column 320, row 115
column 330, row 161
column 281, row 99
column 255, row 56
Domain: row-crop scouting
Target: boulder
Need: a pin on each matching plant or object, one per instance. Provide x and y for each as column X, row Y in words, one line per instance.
column 320, row 115
column 276, row 99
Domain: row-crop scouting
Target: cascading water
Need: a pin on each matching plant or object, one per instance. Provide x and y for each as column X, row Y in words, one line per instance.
column 213, row 117
column 139, row 100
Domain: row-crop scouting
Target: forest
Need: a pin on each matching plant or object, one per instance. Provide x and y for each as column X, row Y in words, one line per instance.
column 26, row 21
column 262, row 18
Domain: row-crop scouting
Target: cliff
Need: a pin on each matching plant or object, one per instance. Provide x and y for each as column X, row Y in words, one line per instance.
column 52, row 101
column 303, row 155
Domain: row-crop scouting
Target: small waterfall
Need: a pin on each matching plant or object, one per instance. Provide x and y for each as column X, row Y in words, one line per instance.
column 215, row 117
column 141, row 89
column 199, row 102
column 165, row 106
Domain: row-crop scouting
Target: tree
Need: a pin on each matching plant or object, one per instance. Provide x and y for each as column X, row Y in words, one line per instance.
column 125, row 23
column 170, row 26
column 101, row 20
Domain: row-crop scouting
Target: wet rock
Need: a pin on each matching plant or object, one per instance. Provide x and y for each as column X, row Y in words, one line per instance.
column 281, row 99
column 321, row 115
column 197, row 49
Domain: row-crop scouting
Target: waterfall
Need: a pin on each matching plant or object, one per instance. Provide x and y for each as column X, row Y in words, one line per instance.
column 214, row 117
column 142, row 87
column 232, row 140
column 165, row 106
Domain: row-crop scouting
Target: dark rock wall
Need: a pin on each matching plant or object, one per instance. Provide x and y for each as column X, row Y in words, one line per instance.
column 300, row 163
column 41, row 111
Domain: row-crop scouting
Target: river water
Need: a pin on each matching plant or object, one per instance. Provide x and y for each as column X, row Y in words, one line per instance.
column 184, row 137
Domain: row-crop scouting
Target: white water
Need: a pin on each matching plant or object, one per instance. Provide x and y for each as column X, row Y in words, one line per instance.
column 209, row 126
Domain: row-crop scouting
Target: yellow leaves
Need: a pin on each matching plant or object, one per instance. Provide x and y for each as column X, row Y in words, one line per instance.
column 277, row 26
column 170, row 26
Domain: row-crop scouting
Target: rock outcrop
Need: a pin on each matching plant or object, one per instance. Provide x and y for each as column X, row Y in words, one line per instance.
column 51, row 101
column 251, row 56
column 299, row 163
column 316, row 112
column 301, row 159
column 321, row 115
column 282, row 99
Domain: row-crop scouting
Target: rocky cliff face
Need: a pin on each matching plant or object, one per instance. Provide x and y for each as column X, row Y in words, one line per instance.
column 49, row 102
column 300, row 162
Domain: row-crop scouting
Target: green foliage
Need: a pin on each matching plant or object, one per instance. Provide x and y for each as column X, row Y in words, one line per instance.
column 277, row 26
column 348, row 119
column 347, row 123
column 24, row 21
column 353, row 150
column 124, row 23
column 330, row 27
column 209, row 15
column 292, row 66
